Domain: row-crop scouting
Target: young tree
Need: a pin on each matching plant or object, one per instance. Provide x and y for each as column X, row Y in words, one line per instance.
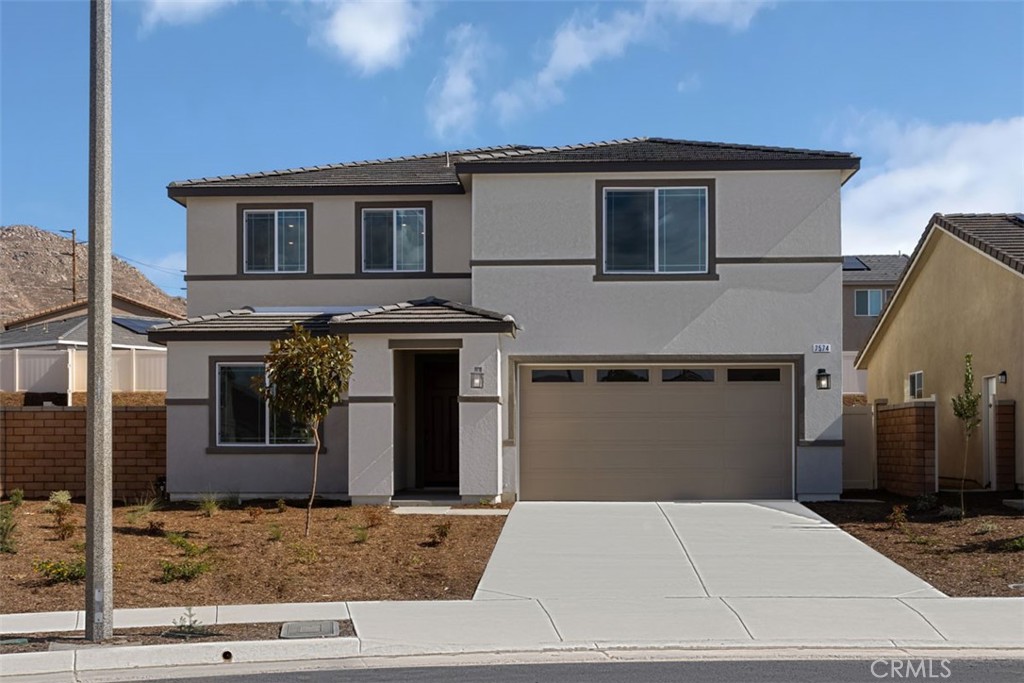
column 965, row 407
column 306, row 376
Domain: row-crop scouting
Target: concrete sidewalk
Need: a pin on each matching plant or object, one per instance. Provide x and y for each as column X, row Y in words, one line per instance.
column 542, row 625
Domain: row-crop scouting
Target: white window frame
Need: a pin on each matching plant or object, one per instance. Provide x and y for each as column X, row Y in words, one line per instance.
column 869, row 314
column 911, row 393
column 277, row 260
column 394, row 238
column 657, row 250
column 266, row 413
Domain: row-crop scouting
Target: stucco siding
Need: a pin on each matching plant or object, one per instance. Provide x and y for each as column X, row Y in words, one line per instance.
column 957, row 301
column 857, row 328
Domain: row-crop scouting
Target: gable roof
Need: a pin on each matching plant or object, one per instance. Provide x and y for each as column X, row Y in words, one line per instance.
column 998, row 235
column 438, row 172
column 83, row 304
column 74, row 331
column 874, row 268
column 422, row 315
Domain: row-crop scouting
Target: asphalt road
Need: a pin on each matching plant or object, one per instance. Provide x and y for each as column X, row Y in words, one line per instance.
column 813, row 671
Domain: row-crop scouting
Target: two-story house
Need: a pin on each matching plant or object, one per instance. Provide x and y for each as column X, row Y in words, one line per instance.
column 643, row 319
column 868, row 284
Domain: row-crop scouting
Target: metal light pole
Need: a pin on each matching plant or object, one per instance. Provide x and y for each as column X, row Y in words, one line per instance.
column 99, row 545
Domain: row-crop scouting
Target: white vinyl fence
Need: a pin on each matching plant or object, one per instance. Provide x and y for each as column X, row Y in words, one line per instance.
column 65, row 370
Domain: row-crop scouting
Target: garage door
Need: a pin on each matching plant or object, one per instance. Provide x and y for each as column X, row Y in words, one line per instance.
column 655, row 432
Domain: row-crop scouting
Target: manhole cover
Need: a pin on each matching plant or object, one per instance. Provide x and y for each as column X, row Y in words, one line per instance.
column 310, row 629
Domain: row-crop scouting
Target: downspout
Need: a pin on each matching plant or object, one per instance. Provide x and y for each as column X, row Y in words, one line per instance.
column 17, row 371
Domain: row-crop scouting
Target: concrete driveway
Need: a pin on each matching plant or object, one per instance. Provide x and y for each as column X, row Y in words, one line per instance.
column 636, row 551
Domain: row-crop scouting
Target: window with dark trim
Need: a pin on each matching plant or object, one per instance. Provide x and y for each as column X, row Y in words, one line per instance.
column 556, row 375
column 393, row 239
column 754, row 374
column 245, row 418
column 688, row 375
column 623, row 375
column 274, row 240
column 867, row 302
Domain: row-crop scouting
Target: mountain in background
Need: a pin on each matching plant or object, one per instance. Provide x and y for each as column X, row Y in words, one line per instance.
column 35, row 273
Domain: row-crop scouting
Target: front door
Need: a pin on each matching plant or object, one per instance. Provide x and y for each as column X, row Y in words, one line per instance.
column 988, row 433
column 437, row 420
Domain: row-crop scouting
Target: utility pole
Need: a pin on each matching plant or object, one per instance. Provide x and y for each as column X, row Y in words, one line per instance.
column 74, row 264
column 99, row 533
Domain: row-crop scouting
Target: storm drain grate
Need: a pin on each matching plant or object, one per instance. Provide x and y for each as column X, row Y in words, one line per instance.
column 310, row 629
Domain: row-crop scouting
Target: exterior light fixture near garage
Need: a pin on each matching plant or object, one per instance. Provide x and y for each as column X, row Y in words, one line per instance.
column 823, row 379
column 1002, row 377
column 476, row 378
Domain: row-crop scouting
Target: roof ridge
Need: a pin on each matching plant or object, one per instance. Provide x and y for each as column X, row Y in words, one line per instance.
column 343, row 164
column 740, row 145
column 77, row 302
column 516, row 152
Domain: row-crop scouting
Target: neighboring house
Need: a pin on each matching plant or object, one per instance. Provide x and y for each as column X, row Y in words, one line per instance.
column 868, row 283
column 51, row 357
column 120, row 306
column 962, row 292
column 636, row 321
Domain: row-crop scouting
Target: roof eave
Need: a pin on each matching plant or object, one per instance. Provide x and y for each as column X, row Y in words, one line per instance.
column 178, row 192
column 849, row 165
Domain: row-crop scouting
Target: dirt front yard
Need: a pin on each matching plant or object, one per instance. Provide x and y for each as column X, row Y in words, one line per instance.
column 254, row 554
column 980, row 555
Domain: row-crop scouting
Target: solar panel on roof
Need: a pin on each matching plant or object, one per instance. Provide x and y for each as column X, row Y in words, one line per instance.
column 853, row 263
column 138, row 325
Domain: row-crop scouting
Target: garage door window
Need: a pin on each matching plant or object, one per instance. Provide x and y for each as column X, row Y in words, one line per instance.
column 754, row 375
column 623, row 375
column 556, row 375
column 688, row 375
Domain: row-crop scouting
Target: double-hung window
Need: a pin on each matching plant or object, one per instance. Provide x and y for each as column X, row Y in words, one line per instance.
column 867, row 302
column 394, row 240
column 915, row 384
column 274, row 240
column 656, row 230
column 244, row 418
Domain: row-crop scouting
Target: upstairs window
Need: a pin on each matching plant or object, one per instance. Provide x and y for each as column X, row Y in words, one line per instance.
column 915, row 384
column 394, row 240
column 867, row 302
column 656, row 230
column 274, row 241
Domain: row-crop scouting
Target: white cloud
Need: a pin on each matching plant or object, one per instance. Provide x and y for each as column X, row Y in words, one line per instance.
column 922, row 169
column 585, row 39
column 373, row 35
column 179, row 11
column 689, row 83
column 452, row 99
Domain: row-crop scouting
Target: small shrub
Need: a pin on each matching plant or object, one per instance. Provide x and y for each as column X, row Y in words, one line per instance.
column 282, row 505
column 1014, row 545
column 373, row 516
column 189, row 626
column 276, row 534
column 186, row 570
column 362, row 534
column 186, row 546
column 61, row 571
column 441, row 532
column 142, row 508
column 986, row 528
column 209, row 504
column 154, row 528
column 305, row 553
column 950, row 512
column 58, row 499
column 924, row 503
column 898, row 517
column 7, row 527
column 66, row 529
column 61, row 508
column 17, row 498
column 254, row 512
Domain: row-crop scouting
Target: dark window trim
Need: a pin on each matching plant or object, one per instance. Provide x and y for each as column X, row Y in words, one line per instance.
column 869, row 314
column 710, row 274
column 428, row 246
column 213, row 448
column 240, row 210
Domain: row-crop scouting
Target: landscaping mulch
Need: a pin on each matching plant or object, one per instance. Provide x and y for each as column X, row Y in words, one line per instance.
column 257, row 555
column 962, row 558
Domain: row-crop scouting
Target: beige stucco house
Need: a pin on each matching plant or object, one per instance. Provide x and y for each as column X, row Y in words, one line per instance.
column 642, row 319
column 962, row 292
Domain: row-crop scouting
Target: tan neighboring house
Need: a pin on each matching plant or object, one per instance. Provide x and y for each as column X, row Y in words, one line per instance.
column 641, row 319
column 962, row 292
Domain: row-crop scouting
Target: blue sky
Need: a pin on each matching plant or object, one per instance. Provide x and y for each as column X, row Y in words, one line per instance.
column 931, row 95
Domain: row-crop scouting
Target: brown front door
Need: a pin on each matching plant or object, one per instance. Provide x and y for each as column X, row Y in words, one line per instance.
column 437, row 420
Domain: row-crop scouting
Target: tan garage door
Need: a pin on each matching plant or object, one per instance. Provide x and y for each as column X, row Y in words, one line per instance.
column 655, row 432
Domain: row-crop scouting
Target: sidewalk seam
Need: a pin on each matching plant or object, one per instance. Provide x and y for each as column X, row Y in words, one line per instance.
column 685, row 551
column 552, row 621
column 926, row 620
column 738, row 618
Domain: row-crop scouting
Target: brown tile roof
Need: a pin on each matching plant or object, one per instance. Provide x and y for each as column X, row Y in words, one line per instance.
column 438, row 172
column 437, row 313
column 877, row 268
column 83, row 303
column 1000, row 235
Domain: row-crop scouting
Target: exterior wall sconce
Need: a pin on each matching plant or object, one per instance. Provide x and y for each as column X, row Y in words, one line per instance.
column 1002, row 377
column 823, row 379
column 476, row 378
